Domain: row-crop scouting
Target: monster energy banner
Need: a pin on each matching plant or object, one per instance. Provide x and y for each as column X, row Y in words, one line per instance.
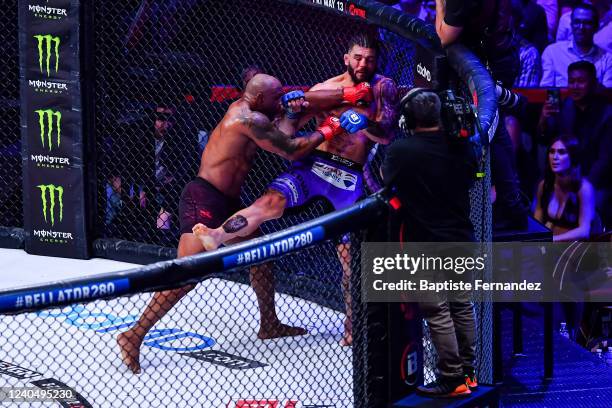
column 52, row 136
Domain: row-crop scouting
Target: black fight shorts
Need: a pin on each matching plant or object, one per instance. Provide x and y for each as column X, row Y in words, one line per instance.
column 201, row 202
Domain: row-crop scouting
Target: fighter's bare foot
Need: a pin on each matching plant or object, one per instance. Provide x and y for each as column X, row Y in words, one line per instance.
column 129, row 344
column 208, row 236
column 280, row 330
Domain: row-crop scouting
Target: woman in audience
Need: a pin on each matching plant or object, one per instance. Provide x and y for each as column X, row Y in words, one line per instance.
column 565, row 200
column 566, row 205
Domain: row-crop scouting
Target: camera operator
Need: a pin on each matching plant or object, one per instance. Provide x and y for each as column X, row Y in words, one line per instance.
column 485, row 27
column 432, row 172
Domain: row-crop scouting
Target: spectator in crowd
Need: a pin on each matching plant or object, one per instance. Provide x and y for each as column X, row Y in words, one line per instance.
column 125, row 203
column 557, row 57
column 530, row 22
column 551, row 8
column 130, row 173
column 530, row 65
column 587, row 115
column 163, row 177
column 422, row 9
column 565, row 204
column 113, row 199
column 565, row 200
column 175, row 151
column 602, row 38
column 428, row 11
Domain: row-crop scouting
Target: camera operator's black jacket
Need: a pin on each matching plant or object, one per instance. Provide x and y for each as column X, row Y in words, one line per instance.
column 432, row 177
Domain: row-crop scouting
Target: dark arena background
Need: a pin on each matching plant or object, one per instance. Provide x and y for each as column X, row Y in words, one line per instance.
column 84, row 86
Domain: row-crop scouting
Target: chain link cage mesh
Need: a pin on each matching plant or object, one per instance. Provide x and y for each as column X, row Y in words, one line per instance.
column 11, row 211
column 149, row 56
column 206, row 351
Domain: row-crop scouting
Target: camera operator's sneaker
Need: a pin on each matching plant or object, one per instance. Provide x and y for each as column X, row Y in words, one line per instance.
column 470, row 378
column 445, row 387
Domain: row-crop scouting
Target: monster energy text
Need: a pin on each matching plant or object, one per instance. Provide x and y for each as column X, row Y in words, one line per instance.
column 51, row 122
column 52, row 13
column 50, row 161
column 53, row 236
column 49, row 205
column 47, row 86
column 48, row 46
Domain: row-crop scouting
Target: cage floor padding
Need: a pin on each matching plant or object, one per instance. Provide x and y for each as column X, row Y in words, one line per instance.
column 204, row 352
column 580, row 379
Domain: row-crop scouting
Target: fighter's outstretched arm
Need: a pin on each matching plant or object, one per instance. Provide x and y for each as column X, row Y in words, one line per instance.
column 262, row 131
column 321, row 99
column 268, row 137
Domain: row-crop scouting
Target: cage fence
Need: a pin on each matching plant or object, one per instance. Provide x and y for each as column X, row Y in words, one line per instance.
column 165, row 74
column 209, row 350
column 11, row 212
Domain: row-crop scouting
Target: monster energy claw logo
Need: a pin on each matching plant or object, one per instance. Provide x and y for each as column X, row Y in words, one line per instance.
column 46, row 45
column 48, row 120
column 52, row 189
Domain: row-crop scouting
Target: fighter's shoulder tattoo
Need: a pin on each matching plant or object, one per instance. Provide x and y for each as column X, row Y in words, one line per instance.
column 263, row 129
column 255, row 121
column 388, row 91
column 387, row 109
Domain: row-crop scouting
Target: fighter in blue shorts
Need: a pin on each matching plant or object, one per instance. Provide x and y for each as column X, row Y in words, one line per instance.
column 334, row 169
column 323, row 175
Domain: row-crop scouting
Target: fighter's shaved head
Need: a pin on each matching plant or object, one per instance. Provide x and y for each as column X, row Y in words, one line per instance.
column 262, row 83
column 263, row 94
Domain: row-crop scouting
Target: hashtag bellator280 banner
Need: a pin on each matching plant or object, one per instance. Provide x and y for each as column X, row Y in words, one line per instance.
column 51, row 126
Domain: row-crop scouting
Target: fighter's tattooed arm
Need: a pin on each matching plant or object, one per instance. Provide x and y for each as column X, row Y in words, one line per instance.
column 381, row 129
column 235, row 224
column 267, row 136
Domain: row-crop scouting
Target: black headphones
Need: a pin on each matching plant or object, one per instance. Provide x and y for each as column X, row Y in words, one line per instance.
column 457, row 115
column 407, row 122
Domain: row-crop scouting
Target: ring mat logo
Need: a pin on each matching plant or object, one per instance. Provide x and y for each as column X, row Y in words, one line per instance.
column 53, row 190
column 48, row 46
column 48, row 120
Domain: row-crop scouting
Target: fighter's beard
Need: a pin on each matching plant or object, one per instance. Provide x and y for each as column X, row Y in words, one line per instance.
column 354, row 78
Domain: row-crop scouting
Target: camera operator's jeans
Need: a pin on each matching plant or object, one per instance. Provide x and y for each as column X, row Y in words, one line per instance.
column 453, row 333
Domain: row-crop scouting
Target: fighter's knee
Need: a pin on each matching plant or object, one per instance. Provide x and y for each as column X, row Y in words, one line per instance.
column 273, row 204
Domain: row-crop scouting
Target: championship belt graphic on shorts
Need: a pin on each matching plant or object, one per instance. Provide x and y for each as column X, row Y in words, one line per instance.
column 335, row 176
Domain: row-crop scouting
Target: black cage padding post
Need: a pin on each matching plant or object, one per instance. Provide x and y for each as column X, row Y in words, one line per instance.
column 471, row 71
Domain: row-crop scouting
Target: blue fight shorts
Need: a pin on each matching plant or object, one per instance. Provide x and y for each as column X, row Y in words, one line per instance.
column 322, row 175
